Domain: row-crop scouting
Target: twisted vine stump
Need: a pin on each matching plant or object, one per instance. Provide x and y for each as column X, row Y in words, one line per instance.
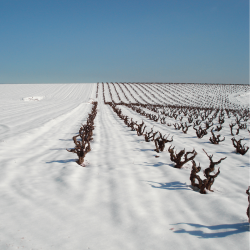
column 218, row 128
column 210, row 169
column 199, row 131
column 215, row 139
column 202, row 185
column 241, row 149
column 207, row 183
column 160, row 142
column 82, row 147
column 177, row 158
column 194, row 176
column 185, row 127
column 248, row 209
column 140, row 130
column 148, row 135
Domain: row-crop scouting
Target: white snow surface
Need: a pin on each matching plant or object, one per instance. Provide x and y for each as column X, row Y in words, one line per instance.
column 33, row 98
column 240, row 97
column 124, row 198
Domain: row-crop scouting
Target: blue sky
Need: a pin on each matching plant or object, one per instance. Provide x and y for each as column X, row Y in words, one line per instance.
column 61, row 41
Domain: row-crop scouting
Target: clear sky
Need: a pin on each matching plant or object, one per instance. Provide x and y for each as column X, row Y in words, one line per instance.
column 73, row 41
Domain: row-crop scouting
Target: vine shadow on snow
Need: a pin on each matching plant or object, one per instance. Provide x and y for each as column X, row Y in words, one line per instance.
column 63, row 161
column 57, row 149
column 158, row 164
column 146, row 149
column 229, row 229
column 174, row 185
column 65, row 139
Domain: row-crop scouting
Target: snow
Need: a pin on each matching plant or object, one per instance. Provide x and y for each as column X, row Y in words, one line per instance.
column 124, row 197
column 240, row 97
column 33, row 98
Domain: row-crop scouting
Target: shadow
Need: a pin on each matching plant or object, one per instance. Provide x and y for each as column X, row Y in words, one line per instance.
column 66, row 139
column 246, row 139
column 145, row 149
column 175, row 185
column 4, row 129
column 158, row 164
column 225, row 230
column 172, row 165
column 57, row 148
column 63, row 161
column 224, row 152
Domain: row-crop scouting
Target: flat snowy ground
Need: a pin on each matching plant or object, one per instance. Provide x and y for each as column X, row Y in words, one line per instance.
column 125, row 197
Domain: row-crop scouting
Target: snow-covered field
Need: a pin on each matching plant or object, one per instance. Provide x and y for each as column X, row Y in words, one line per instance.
column 125, row 197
